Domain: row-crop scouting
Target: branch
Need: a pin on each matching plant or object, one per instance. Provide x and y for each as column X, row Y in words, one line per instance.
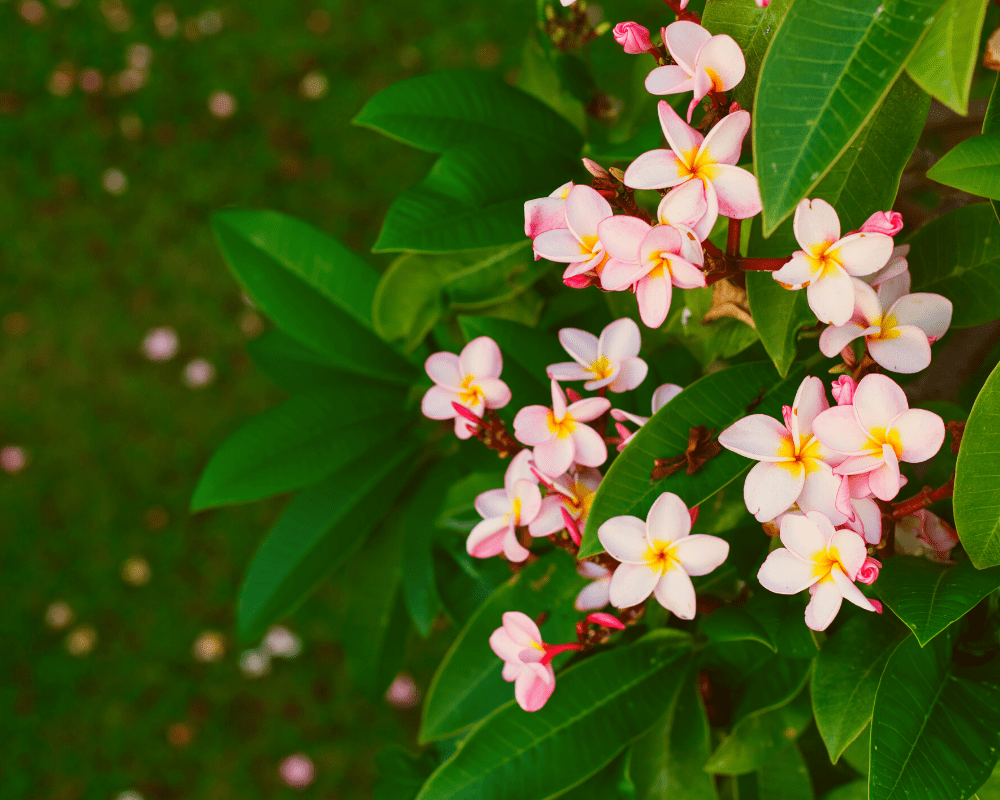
column 925, row 498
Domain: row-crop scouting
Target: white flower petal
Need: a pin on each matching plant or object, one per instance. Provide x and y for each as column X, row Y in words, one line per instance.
column 444, row 370
column 921, row 434
column 878, row 400
column 625, row 540
column 481, row 357
column 816, row 225
column 668, row 520
column 700, row 553
column 758, row 436
column 675, row 592
column 772, row 488
column 631, row 584
column 823, row 606
column 785, row 573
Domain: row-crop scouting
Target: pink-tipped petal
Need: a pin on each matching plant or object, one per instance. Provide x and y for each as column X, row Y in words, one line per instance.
column 758, row 436
column 810, row 401
column 863, row 253
column 785, row 573
column 624, row 538
column 824, row 605
column 504, row 646
column 906, row 352
column 838, row 429
column 622, row 235
column 531, row 427
column 802, row 537
column 659, row 240
column 670, row 79
column 531, row 691
column 668, row 519
column 725, row 142
column 544, row 214
column 929, row 312
column 521, row 628
column 723, row 58
column 436, row 403
column 831, row 297
column 444, row 370
column 736, row 189
column 481, row 357
column 675, row 592
column 513, row 550
column 631, row 584
column 921, row 434
column 816, row 225
column 549, row 518
column 585, row 208
column 619, row 275
column 653, row 295
column 655, row 169
column 684, row 40
column 486, row 539
column 561, row 246
column 701, row 84
column 878, row 400
column 700, row 553
column 683, row 139
column 555, row 456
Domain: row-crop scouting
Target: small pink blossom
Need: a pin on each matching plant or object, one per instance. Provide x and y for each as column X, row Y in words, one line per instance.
column 888, row 222
column 297, row 771
column 868, row 573
column 924, row 533
column 471, row 379
column 663, row 395
column 611, row 360
column 519, row 643
column 577, row 244
column 843, row 390
column 504, row 511
column 633, row 37
column 594, row 169
column 595, row 595
column 546, row 213
column 703, row 63
column 558, row 435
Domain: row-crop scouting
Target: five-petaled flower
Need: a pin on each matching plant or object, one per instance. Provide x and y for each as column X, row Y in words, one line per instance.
column 519, row 643
column 710, row 159
column 878, row 431
column 471, row 379
column 559, row 435
column 821, row 559
column 658, row 556
column 577, row 244
column 826, row 263
column 703, row 63
column 611, row 360
column 504, row 511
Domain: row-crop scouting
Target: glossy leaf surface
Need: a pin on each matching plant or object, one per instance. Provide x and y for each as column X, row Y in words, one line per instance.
column 977, row 492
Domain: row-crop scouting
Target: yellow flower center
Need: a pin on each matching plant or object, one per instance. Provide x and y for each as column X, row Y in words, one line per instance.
column 878, row 437
column 471, row 394
column 696, row 165
column 809, row 454
column 887, row 327
column 662, row 268
column 825, row 561
column 590, row 244
column 563, row 427
column 661, row 556
column 601, row 368
column 717, row 85
column 582, row 500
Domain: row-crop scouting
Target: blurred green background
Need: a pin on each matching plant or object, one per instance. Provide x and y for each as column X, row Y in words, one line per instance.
column 122, row 128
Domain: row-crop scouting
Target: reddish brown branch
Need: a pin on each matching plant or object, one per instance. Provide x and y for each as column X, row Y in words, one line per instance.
column 925, row 498
column 733, row 239
column 682, row 14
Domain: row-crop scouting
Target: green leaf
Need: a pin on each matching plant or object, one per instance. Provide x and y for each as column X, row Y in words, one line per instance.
column 292, row 365
column 715, row 401
column 929, row 597
column 611, row 783
column 443, row 110
column 314, row 288
column 991, row 124
column 846, row 677
column 778, row 314
column 944, row 62
column 539, row 78
column 299, row 442
column 783, row 618
column 474, row 197
column 991, row 789
column 809, row 109
column 734, row 624
column 317, row 532
column 855, row 790
column 784, row 775
column 467, row 685
column 972, row 165
column 400, row 775
column 667, row 762
column 958, row 255
column 720, row 338
column 977, row 493
column 598, row 707
column 934, row 735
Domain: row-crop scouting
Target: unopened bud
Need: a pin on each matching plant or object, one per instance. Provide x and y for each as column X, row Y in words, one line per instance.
column 606, row 620
column 633, row 37
column 595, row 169
column 619, row 174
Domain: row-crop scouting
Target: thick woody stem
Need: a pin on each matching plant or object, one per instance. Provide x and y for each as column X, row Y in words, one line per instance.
column 763, row 264
column 925, row 498
column 733, row 239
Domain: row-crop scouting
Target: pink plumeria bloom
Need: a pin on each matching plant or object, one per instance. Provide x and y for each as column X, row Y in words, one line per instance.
column 710, row 159
column 690, row 205
column 611, row 360
column 578, row 244
column 868, row 573
column 546, row 213
column 926, row 534
column 595, row 595
column 471, row 379
column 898, row 332
column 877, row 432
column 794, row 465
column 504, row 511
column 558, row 434
column 858, row 511
column 573, row 493
column 826, row 263
column 633, row 37
column 663, row 395
column 519, row 643
column 659, row 556
column 704, row 63
column 817, row 557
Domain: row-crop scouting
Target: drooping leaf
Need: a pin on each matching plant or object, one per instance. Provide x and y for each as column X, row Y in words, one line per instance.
column 443, row 110
column 666, row 763
column 929, row 597
column 934, row 734
column 808, row 110
column 958, row 255
column 474, row 197
column 292, row 365
column 972, row 165
column 467, row 685
column 734, row 624
column 598, row 707
column 977, row 493
column 944, row 62
column 317, row 532
column 715, row 401
column 299, row 442
column 314, row 288
column 847, row 674
column 785, row 774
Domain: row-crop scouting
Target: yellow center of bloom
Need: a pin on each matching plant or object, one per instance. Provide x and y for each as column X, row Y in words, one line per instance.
column 581, row 501
column 824, row 562
column 661, row 556
column 662, row 268
column 697, row 165
column 601, row 368
column 809, row 454
column 717, row 85
column 562, row 427
column 471, row 394
column 590, row 245
column 887, row 327
column 878, row 437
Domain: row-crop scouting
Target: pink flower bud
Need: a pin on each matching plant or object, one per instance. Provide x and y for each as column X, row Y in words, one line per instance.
column 573, row 395
column 633, row 37
column 888, row 222
column 693, row 513
column 877, row 605
column 869, row 571
column 734, row 107
column 786, row 415
column 607, row 620
column 843, row 390
column 596, row 169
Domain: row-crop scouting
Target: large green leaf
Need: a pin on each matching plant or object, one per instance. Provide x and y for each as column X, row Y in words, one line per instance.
column 400, row 775
column 958, row 255
column 855, row 790
column 598, row 707
column 442, row 110
column 473, row 197
column 991, row 125
column 977, row 492
column 734, row 624
column 972, row 165
column 784, row 775
column 779, row 314
column 667, row 762
column 783, row 616
column 708, row 342
column 299, row 442
column 292, row 365
column 319, row 530
column 934, row 735
column 944, row 62
column 467, row 685
column 313, row 287
column 847, row 674
column 929, row 597
column 809, row 109
column 715, row 401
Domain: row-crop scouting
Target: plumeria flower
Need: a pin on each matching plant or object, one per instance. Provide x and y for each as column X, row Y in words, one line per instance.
column 578, row 244
column 659, row 556
column 794, row 465
column 558, row 434
column 571, row 494
column 898, row 336
column 652, row 260
column 546, row 213
column 690, row 205
column 611, row 360
column 633, row 37
column 826, row 263
column 663, row 395
column 878, row 431
column 704, row 63
column 519, row 643
column 843, row 390
column 595, row 595
column 504, row 511
column 817, row 557
column 471, row 379
column 859, row 512
column 710, row 159
column 925, row 534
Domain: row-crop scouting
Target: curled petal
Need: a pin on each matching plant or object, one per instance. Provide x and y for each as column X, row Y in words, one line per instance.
column 663, row 395
column 686, row 275
column 567, row 371
column 884, row 481
column 849, row 548
column 670, row 79
column 724, row 58
column 684, row 40
column 618, row 275
column 486, row 539
column 544, row 214
column 530, row 498
column 796, row 273
column 675, row 592
column 532, row 691
column 633, row 372
column 521, row 628
column 835, row 338
column 849, row 591
column 663, row 239
column 863, row 253
column 685, row 205
column 513, row 550
column 929, row 312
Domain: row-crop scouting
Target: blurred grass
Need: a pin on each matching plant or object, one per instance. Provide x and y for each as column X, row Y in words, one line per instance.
column 115, row 441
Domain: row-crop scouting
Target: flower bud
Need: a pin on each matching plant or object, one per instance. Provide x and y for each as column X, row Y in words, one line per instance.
column 869, row 571
column 888, row 222
column 607, row 620
column 843, row 390
column 595, row 169
column 633, row 37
